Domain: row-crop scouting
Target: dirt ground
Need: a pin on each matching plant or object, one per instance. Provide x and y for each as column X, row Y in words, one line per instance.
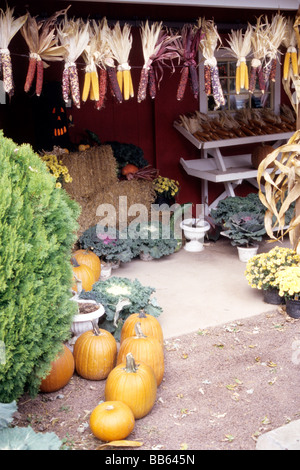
column 223, row 387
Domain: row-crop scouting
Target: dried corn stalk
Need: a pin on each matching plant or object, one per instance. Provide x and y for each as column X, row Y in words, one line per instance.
column 9, row 26
column 41, row 40
column 282, row 187
column 292, row 83
column 74, row 36
column 158, row 46
column 187, row 47
column 209, row 42
column 240, row 48
column 121, row 43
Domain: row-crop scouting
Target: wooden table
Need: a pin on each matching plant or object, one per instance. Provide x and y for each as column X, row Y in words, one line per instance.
column 213, row 166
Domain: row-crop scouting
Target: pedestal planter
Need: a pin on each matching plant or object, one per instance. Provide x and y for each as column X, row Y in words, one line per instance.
column 293, row 308
column 194, row 230
column 245, row 253
column 145, row 256
column 271, row 296
column 83, row 321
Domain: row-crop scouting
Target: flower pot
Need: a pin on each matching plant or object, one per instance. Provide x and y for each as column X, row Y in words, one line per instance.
column 245, row 253
column 194, row 234
column 83, row 321
column 271, row 296
column 293, row 308
column 105, row 271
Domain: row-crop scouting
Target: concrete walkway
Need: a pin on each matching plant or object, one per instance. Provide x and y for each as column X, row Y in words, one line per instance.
column 199, row 290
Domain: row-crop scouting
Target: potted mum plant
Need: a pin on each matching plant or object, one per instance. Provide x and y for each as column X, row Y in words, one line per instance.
column 166, row 190
column 288, row 282
column 245, row 230
column 261, row 271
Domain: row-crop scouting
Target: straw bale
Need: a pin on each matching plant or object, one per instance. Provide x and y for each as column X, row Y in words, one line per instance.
column 90, row 170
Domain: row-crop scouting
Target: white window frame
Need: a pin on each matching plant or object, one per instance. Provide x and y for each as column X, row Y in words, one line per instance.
column 223, row 54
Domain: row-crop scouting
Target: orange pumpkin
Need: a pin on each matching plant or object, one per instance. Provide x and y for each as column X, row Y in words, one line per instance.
column 133, row 384
column 95, row 353
column 146, row 349
column 61, row 372
column 112, row 421
column 90, row 259
column 149, row 324
column 84, row 274
column 129, row 168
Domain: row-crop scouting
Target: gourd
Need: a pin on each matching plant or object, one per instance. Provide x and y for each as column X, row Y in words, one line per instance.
column 112, row 420
column 90, row 259
column 149, row 324
column 62, row 369
column 83, row 147
column 133, row 384
column 95, row 353
column 84, row 274
column 259, row 153
column 146, row 349
column 129, row 168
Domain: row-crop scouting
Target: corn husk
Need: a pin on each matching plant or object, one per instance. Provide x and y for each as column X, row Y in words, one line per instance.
column 282, row 185
column 121, row 43
column 258, row 42
column 9, row 26
column 240, row 48
column 209, row 42
column 275, row 32
column 41, row 40
column 74, row 36
column 158, row 46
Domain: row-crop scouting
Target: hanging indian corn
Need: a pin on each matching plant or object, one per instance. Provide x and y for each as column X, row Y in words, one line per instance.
column 240, row 48
column 188, row 46
column 91, row 80
column 276, row 32
column 74, row 37
column 291, row 54
column 121, row 43
column 158, row 47
column 102, row 55
column 41, row 40
column 209, row 42
column 9, row 26
column 257, row 44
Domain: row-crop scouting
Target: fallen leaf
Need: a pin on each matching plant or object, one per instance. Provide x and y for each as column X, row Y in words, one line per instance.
column 229, row 437
column 265, row 420
column 122, row 443
column 183, row 446
column 184, row 355
column 271, row 364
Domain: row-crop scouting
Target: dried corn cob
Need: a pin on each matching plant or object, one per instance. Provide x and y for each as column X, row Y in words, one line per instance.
column 102, row 88
column 152, row 83
column 290, row 58
column 65, row 84
column 95, row 85
column 39, row 77
column 74, row 84
column 255, row 64
column 184, row 75
column 194, row 79
column 31, row 71
column 86, row 86
column 112, row 76
column 142, row 90
column 273, row 70
column 217, row 88
column 207, row 79
column 7, row 71
column 261, row 81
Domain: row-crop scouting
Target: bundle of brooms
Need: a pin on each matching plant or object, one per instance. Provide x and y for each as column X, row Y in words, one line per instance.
column 95, row 182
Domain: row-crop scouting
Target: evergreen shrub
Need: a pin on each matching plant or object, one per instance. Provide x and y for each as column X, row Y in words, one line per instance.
column 37, row 231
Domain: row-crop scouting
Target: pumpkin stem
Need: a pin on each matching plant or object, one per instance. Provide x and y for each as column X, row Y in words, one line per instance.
column 109, row 407
column 142, row 314
column 130, row 363
column 138, row 330
column 96, row 328
column 78, row 284
column 74, row 262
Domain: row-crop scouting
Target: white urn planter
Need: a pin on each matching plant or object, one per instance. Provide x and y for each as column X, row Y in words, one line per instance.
column 83, row 321
column 194, row 231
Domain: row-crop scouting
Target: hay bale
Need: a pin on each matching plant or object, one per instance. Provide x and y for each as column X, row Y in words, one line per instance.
column 90, row 170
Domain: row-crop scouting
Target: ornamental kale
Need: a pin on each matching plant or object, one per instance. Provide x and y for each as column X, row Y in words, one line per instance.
column 120, row 298
column 245, row 228
column 152, row 238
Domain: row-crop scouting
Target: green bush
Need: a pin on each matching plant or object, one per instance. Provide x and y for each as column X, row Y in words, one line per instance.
column 37, row 232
